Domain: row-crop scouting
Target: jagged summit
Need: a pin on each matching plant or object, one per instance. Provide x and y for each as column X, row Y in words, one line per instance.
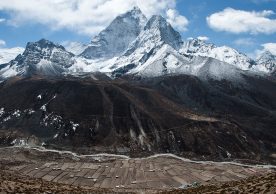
column 43, row 48
column 131, row 44
column 266, row 62
column 223, row 53
column 156, row 21
column 44, row 43
column 195, row 45
column 160, row 27
column 266, row 56
column 115, row 39
column 156, row 32
column 43, row 57
column 136, row 12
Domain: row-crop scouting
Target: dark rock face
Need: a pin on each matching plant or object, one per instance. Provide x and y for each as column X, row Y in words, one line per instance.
column 115, row 39
column 251, row 108
column 179, row 114
column 44, row 50
column 165, row 31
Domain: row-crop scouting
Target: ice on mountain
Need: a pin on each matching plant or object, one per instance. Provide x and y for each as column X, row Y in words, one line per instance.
column 2, row 111
column 75, row 47
column 74, row 125
column 43, row 57
column 133, row 45
column 8, row 71
column 226, row 54
column 43, row 107
column 157, row 32
column 16, row 113
column 266, row 62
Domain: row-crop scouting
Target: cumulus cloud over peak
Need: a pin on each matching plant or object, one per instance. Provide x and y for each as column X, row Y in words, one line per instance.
column 240, row 21
column 176, row 20
column 83, row 16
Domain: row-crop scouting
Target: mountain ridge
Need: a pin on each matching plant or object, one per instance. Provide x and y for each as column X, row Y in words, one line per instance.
column 144, row 39
column 117, row 36
column 41, row 57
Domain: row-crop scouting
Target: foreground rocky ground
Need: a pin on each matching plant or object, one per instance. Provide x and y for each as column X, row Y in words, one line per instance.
column 35, row 171
column 14, row 183
column 257, row 184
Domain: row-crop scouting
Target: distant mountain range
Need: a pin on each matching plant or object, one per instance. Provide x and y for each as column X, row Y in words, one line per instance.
column 131, row 44
column 137, row 88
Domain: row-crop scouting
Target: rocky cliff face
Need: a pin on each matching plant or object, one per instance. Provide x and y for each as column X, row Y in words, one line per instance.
column 42, row 57
column 266, row 62
column 156, row 34
column 179, row 114
column 115, row 39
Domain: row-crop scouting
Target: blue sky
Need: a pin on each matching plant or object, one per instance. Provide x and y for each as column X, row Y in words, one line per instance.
column 22, row 21
column 197, row 10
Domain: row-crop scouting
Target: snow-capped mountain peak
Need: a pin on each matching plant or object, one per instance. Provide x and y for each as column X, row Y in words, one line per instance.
column 42, row 48
column 115, row 39
column 194, row 46
column 43, row 56
column 158, row 25
column 156, row 21
column 223, row 53
column 133, row 45
column 156, row 33
column 266, row 56
column 136, row 13
column 266, row 62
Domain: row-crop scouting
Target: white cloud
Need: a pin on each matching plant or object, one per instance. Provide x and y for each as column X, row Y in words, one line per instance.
column 82, row 16
column 2, row 43
column 244, row 42
column 176, row 20
column 203, row 38
column 239, row 21
column 8, row 54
